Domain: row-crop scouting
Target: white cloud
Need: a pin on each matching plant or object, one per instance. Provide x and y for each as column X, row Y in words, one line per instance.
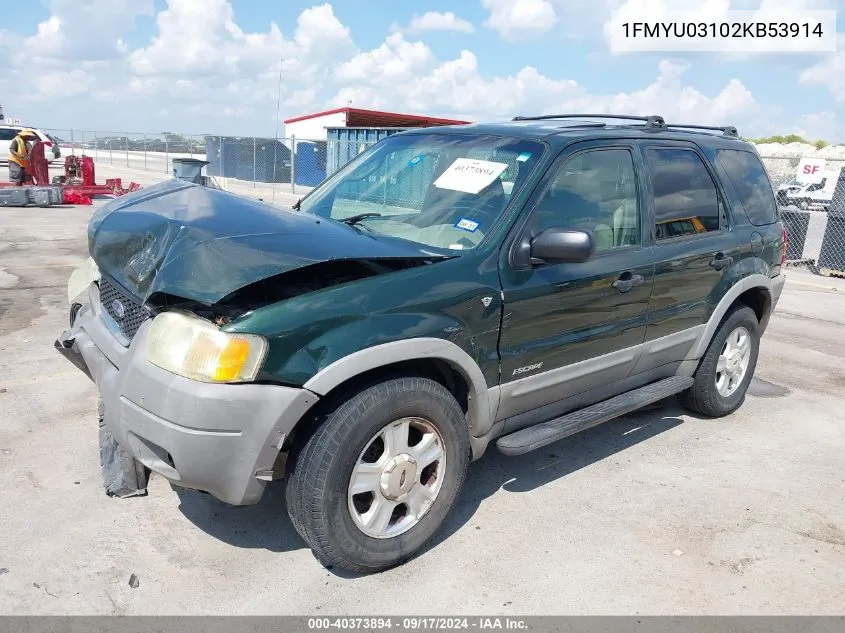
column 227, row 69
column 62, row 84
column 49, row 38
column 102, row 22
column 677, row 102
column 321, row 36
column 830, row 71
column 435, row 21
column 396, row 60
column 457, row 88
column 819, row 125
column 301, row 98
column 520, row 19
column 78, row 43
column 201, row 37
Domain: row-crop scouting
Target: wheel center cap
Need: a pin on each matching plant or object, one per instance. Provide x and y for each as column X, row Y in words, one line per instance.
column 398, row 477
column 734, row 361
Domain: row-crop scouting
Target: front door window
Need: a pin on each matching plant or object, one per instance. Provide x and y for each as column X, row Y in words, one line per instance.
column 594, row 191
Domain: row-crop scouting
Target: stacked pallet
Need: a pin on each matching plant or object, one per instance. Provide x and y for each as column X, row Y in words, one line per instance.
column 36, row 196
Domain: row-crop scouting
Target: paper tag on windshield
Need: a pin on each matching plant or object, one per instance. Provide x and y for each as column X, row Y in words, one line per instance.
column 467, row 225
column 469, row 176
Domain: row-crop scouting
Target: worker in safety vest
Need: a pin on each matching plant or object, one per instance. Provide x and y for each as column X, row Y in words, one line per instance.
column 19, row 156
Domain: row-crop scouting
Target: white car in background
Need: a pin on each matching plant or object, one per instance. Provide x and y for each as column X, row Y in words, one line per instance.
column 52, row 152
column 787, row 188
column 816, row 196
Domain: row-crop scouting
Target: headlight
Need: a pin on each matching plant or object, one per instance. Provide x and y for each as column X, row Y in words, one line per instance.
column 194, row 348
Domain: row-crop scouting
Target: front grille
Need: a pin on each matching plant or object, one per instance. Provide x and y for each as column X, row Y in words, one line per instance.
column 125, row 310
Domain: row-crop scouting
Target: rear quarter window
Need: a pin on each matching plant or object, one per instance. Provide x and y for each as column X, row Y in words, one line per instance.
column 751, row 184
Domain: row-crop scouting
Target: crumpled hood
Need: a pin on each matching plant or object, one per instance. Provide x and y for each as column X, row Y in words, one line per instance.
column 202, row 244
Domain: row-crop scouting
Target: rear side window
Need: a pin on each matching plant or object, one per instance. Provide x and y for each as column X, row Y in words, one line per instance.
column 752, row 185
column 686, row 201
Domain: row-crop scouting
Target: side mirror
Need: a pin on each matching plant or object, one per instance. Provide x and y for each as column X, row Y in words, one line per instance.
column 557, row 246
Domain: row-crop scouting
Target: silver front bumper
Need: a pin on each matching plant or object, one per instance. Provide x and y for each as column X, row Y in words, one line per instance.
column 222, row 439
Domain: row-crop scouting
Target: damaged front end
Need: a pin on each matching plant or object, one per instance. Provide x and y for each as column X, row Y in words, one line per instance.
column 282, row 287
column 203, row 245
column 170, row 267
column 180, row 246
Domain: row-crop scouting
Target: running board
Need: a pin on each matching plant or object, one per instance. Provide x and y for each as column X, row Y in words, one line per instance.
column 545, row 433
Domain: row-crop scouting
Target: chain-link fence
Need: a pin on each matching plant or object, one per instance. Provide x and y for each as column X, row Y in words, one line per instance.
column 151, row 152
column 295, row 165
column 813, row 212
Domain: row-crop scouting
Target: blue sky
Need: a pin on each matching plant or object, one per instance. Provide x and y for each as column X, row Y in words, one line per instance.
column 201, row 66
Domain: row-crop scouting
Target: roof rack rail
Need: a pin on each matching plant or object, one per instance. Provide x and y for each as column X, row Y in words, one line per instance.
column 726, row 130
column 653, row 121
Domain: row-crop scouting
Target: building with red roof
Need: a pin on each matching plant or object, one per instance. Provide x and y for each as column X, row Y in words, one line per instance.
column 314, row 126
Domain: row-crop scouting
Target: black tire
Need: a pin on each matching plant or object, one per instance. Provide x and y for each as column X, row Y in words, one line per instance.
column 319, row 478
column 703, row 397
column 293, row 488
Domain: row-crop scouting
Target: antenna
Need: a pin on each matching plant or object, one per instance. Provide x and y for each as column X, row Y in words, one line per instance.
column 278, row 122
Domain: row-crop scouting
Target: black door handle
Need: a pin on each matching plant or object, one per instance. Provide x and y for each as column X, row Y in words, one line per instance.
column 627, row 281
column 720, row 261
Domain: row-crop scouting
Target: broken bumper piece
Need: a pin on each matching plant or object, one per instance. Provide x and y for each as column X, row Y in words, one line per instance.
column 223, row 439
column 66, row 346
column 123, row 475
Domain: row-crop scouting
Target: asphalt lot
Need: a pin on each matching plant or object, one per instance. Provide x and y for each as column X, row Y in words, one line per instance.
column 654, row 513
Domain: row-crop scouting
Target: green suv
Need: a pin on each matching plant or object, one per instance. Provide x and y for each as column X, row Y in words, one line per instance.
column 449, row 288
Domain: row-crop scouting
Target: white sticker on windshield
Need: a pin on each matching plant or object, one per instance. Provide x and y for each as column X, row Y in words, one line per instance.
column 469, row 175
column 467, row 225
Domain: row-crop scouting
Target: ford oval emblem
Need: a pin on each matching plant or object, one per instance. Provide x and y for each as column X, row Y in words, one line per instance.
column 118, row 309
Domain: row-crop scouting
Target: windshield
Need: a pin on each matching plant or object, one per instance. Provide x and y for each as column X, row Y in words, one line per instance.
column 441, row 190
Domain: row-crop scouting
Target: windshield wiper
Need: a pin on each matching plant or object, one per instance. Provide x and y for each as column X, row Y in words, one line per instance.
column 296, row 206
column 354, row 219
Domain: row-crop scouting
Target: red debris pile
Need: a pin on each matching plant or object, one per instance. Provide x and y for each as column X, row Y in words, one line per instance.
column 72, row 196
